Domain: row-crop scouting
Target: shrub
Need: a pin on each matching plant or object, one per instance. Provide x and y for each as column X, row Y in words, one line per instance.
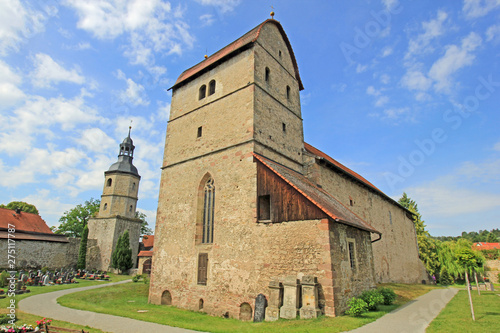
column 44, row 270
column 3, row 279
column 372, row 298
column 356, row 307
column 136, row 278
column 444, row 277
column 388, row 294
column 146, row 279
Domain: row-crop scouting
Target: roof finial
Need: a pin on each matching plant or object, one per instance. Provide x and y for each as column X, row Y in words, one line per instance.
column 272, row 13
column 130, row 127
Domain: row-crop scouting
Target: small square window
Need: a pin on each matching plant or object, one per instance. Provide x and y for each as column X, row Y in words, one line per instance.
column 200, row 132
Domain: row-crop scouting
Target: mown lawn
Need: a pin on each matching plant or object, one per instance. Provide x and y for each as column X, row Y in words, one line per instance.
column 456, row 317
column 125, row 300
column 26, row 318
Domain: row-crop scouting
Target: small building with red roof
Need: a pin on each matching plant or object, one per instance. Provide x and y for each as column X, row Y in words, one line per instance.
column 145, row 255
column 34, row 244
column 486, row 246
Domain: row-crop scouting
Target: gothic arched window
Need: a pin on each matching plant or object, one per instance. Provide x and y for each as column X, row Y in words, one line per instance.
column 208, row 211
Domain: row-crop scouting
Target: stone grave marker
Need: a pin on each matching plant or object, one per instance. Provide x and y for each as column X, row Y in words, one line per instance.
column 260, row 308
column 46, row 280
column 310, row 308
column 291, row 293
column 275, row 300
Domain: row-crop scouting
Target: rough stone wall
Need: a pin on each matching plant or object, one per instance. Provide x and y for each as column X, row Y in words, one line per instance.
column 38, row 254
column 396, row 254
column 119, row 196
column 273, row 110
column 348, row 281
column 492, row 269
column 103, row 236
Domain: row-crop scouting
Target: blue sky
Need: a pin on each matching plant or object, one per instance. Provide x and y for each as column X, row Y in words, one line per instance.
column 406, row 94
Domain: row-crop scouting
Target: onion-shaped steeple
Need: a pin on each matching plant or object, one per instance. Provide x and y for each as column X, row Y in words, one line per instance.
column 125, row 156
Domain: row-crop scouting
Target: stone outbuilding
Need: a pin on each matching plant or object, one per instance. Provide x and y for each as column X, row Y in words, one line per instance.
column 246, row 206
column 33, row 244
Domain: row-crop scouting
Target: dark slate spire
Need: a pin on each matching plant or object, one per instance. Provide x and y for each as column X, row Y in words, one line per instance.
column 125, row 156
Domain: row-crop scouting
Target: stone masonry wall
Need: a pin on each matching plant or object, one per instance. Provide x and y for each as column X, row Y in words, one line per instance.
column 396, row 254
column 120, row 195
column 38, row 254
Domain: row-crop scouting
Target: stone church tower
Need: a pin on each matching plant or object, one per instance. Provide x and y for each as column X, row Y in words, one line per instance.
column 117, row 210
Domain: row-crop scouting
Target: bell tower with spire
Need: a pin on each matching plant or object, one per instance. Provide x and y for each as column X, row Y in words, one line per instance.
column 117, row 210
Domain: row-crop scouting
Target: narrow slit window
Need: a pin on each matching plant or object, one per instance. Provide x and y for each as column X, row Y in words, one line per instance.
column 284, row 127
column 352, row 255
column 279, row 53
column 203, row 92
column 268, row 74
column 202, row 268
column 287, row 92
column 211, row 88
column 264, row 207
column 105, row 206
column 200, row 132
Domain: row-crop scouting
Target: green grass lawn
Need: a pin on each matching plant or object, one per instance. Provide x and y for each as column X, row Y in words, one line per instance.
column 125, row 300
column 456, row 317
column 26, row 318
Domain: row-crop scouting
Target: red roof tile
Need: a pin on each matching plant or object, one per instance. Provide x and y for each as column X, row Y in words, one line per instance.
column 231, row 49
column 148, row 240
column 145, row 254
column 23, row 221
column 486, row 246
column 319, row 197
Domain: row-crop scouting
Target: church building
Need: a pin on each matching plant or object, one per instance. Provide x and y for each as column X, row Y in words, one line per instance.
column 244, row 201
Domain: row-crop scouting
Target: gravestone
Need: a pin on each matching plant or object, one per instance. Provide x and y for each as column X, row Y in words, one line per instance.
column 23, row 278
column 36, row 281
column 46, row 280
column 260, row 308
column 310, row 308
column 291, row 293
column 275, row 300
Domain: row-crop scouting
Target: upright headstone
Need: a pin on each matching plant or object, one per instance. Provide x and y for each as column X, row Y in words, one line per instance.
column 310, row 308
column 290, row 308
column 275, row 300
column 46, row 280
column 260, row 308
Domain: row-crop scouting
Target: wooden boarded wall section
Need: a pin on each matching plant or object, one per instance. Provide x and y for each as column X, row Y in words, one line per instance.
column 285, row 202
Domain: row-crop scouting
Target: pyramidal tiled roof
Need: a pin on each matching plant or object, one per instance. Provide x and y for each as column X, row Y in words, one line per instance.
column 319, row 197
column 232, row 49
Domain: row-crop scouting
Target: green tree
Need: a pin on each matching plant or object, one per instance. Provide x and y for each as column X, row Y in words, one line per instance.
column 145, row 230
column 428, row 247
column 121, row 257
column 444, row 277
column 491, row 238
column 24, row 206
column 74, row 220
column 82, row 255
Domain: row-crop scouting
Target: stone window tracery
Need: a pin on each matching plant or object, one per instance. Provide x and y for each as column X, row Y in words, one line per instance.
column 208, row 212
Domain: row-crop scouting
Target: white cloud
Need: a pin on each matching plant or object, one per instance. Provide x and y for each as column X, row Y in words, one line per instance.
column 396, row 113
column 486, row 172
column 360, row 68
column 47, row 204
column 389, row 4
column 493, row 32
column 207, row 20
column 385, row 79
column 416, row 80
column 454, row 59
column 10, row 94
column 163, row 112
column 372, row 91
column 151, row 26
column 387, row 51
column 432, row 29
column 47, row 71
column 223, row 5
column 96, row 140
column 19, row 22
column 135, row 94
column 381, row 101
column 477, row 8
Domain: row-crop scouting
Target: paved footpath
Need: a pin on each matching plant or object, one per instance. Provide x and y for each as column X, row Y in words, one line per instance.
column 414, row 316
column 45, row 305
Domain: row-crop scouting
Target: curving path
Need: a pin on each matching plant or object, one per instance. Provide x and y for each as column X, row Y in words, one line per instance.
column 414, row 316
column 45, row 305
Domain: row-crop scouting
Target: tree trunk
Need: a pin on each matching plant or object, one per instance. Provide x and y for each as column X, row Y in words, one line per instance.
column 477, row 284
column 470, row 297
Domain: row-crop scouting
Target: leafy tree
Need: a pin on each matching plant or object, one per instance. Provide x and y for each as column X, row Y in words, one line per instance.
column 24, row 206
column 491, row 238
column 122, row 255
column 74, row 220
column 82, row 255
column 444, row 277
column 145, row 230
column 427, row 246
